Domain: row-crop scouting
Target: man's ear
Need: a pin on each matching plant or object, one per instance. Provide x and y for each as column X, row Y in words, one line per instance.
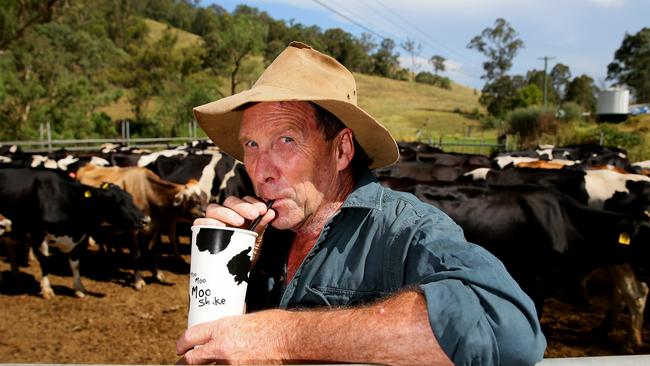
column 344, row 149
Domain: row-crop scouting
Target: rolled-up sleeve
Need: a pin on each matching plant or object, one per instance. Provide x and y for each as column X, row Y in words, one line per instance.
column 478, row 313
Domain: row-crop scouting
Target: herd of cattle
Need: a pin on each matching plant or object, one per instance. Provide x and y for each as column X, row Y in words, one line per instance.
column 552, row 215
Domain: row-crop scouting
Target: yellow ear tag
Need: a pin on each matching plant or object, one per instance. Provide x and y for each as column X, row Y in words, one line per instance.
column 624, row 238
column 87, row 194
column 105, row 185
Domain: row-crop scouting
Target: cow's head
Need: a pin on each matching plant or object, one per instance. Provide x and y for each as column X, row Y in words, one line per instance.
column 5, row 225
column 116, row 207
column 191, row 200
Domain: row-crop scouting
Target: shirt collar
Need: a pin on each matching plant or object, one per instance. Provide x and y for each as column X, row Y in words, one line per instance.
column 367, row 193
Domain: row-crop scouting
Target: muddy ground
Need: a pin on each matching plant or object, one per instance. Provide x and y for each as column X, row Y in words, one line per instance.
column 115, row 324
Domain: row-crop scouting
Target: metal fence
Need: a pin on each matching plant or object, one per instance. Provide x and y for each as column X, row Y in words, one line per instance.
column 47, row 143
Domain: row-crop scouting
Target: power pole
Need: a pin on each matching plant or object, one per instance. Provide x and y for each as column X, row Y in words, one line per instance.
column 545, row 58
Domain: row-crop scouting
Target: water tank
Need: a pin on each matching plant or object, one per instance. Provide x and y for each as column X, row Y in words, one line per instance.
column 612, row 105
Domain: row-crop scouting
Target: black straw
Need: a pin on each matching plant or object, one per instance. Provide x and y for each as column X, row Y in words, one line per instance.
column 253, row 224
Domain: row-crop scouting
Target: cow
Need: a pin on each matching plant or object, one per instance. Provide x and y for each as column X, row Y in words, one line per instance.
column 218, row 175
column 600, row 189
column 543, row 237
column 434, row 166
column 162, row 200
column 49, row 209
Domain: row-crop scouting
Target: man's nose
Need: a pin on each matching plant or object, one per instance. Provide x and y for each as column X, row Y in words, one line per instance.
column 265, row 168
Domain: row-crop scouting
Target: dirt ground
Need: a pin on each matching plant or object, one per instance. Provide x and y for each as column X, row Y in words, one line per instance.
column 115, row 324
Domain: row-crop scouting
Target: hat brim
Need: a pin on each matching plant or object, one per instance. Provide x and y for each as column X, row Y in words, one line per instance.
column 221, row 122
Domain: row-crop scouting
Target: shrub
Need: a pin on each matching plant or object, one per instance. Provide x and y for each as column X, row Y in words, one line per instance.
column 570, row 111
column 529, row 123
column 426, row 77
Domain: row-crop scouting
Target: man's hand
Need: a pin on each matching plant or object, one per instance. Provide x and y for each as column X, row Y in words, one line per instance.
column 235, row 212
column 394, row 331
column 244, row 339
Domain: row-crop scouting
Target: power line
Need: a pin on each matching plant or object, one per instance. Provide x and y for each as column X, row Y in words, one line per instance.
column 426, row 35
column 349, row 19
column 467, row 69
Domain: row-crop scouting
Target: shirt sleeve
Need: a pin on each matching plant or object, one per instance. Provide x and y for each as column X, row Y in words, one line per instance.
column 478, row 313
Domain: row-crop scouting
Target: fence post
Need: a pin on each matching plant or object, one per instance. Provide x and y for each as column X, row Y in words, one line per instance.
column 194, row 125
column 480, row 147
column 602, row 138
column 128, row 133
column 189, row 129
column 41, row 134
column 49, row 137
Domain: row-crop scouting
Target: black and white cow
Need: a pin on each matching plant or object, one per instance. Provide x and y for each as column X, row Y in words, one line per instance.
column 48, row 209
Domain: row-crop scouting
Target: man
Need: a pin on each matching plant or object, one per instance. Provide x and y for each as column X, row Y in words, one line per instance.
column 349, row 271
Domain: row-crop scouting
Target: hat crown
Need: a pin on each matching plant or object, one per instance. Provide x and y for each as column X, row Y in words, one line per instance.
column 306, row 71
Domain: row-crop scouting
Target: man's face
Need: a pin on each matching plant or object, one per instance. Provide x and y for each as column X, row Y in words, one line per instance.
column 288, row 159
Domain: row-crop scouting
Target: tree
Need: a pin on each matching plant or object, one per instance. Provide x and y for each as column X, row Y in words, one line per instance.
column 147, row 70
column 500, row 45
column 582, row 91
column 413, row 50
column 438, row 63
column 16, row 17
column 536, row 78
column 241, row 36
column 631, row 65
column 498, row 96
column 528, row 96
column 57, row 71
column 560, row 77
column 385, row 61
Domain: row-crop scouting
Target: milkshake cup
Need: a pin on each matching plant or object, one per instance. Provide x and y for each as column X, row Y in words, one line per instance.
column 219, row 267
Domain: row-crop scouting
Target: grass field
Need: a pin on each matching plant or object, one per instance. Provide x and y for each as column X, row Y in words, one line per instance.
column 414, row 111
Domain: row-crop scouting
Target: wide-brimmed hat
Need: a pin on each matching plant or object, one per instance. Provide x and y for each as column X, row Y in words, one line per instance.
column 300, row 73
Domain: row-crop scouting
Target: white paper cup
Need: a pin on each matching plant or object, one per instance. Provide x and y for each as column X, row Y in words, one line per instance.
column 219, row 269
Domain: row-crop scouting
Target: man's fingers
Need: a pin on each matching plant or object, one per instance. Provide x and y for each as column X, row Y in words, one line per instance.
column 195, row 336
column 244, row 208
column 206, row 221
column 224, row 214
column 259, row 205
column 197, row 356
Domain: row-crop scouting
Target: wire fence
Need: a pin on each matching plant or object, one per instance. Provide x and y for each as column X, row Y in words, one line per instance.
column 46, row 143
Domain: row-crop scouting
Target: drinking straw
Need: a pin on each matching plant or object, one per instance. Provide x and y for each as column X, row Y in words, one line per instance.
column 259, row 218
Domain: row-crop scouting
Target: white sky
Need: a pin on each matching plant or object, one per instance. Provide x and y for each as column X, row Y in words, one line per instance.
column 582, row 34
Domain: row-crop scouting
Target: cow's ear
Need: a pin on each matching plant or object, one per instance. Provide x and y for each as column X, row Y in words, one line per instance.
column 178, row 199
column 88, row 194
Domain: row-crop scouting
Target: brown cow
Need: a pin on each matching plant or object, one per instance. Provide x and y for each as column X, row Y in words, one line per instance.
column 162, row 200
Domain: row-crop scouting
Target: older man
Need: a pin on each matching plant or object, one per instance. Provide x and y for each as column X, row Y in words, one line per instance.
column 349, row 271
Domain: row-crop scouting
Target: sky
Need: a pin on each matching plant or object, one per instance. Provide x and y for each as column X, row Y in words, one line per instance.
column 582, row 34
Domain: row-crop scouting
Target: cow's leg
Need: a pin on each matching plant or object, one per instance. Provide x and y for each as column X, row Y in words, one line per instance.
column 74, row 257
column 13, row 247
column 46, row 288
column 173, row 238
column 634, row 294
column 154, row 250
column 136, row 255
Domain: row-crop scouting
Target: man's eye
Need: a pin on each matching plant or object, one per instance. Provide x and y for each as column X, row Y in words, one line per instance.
column 250, row 143
column 286, row 139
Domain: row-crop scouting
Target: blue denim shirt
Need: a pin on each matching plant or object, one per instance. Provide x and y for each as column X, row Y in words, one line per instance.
column 382, row 241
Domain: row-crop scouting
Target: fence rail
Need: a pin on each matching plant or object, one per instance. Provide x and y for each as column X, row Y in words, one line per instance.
column 46, row 143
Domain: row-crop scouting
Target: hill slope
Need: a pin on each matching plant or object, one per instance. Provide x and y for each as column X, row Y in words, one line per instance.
column 409, row 110
column 406, row 107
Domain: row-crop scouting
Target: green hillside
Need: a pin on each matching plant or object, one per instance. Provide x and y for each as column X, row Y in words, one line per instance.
column 407, row 107
column 403, row 107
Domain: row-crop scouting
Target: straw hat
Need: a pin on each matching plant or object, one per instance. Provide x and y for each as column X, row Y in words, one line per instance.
column 300, row 73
